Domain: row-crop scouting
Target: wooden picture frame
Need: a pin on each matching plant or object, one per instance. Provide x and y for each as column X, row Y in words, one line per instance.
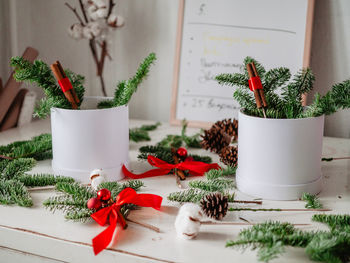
column 175, row 87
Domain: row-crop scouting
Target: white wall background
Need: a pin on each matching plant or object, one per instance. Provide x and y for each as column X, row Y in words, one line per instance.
column 151, row 26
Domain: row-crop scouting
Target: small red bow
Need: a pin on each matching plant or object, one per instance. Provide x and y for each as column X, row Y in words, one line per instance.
column 194, row 167
column 111, row 215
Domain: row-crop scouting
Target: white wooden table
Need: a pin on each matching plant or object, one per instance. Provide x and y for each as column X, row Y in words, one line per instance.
column 37, row 235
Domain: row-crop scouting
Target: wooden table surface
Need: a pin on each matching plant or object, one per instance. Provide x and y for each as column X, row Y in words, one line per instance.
column 38, row 235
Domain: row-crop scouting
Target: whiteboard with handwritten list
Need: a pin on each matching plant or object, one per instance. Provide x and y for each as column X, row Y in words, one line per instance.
column 214, row 37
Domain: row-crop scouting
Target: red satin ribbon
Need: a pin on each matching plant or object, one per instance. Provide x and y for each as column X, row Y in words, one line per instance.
column 110, row 215
column 65, row 84
column 255, row 83
column 194, row 168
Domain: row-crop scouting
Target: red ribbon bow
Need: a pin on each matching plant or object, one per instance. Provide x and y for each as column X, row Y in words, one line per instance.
column 194, row 167
column 111, row 215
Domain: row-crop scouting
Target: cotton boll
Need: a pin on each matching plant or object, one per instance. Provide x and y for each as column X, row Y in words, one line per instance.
column 87, row 33
column 76, row 31
column 115, row 21
column 100, row 3
column 91, row 10
column 101, row 12
column 95, row 28
column 188, row 221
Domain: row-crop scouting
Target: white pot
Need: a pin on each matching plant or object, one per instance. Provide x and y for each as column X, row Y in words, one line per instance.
column 279, row 159
column 88, row 139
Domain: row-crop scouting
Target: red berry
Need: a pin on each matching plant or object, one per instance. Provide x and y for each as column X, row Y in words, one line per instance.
column 189, row 159
column 94, row 203
column 104, row 194
column 182, row 152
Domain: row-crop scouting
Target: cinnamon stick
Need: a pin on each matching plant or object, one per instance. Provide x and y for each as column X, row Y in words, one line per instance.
column 259, row 95
column 178, row 172
column 59, row 74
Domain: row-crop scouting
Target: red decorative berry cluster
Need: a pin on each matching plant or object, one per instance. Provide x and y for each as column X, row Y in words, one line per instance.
column 183, row 155
column 102, row 199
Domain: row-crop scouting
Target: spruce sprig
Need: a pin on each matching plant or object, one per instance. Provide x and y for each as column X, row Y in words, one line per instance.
column 214, row 185
column 271, row 238
column 74, row 198
column 216, row 181
column 165, row 154
column 125, row 89
column 141, row 133
column 17, row 167
column 312, row 201
column 288, row 104
column 40, row 73
column 227, row 171
column 14, row 192
column 32, row 180
column 176, row 141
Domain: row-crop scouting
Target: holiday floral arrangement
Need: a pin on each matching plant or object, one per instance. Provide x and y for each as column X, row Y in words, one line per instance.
column 40, row 73
column 289, row 103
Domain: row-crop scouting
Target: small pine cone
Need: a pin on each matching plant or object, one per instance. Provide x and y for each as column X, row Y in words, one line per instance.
column 215, row 205
column 229, row 155
column 215, row 139
column 230, row 127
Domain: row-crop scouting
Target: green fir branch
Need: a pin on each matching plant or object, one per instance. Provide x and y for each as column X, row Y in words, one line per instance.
column 165, row 154
column 213, row 185
column 289, row 103
column 217, row 173
column 125, row 89
column 176, row 141
column 40, row 73
column 14, row 192
column 171, row 141
column 32, row 180
column 141, row 133
column 17, row 167
column 75, row 197
column 192, row 195
column 312, row 201
column 271, row 238
column 333, row 221
column 116, row 187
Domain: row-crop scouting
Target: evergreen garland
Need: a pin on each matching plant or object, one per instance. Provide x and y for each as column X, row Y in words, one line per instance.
column 141, row 133
column 40, row 73
column 74, row 197
column 271, row 238
column 125, row 89
column 288, row 105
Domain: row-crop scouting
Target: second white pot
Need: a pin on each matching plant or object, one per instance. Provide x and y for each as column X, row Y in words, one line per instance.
column 279, row 159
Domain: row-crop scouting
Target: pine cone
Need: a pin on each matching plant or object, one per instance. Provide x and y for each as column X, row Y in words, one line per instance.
column 229, row 155
column 215, row 139
column 229, row 126
column 215, row 205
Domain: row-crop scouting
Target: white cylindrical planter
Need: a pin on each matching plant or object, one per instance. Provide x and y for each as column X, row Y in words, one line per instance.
column 88, row 139
column 279, row 159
